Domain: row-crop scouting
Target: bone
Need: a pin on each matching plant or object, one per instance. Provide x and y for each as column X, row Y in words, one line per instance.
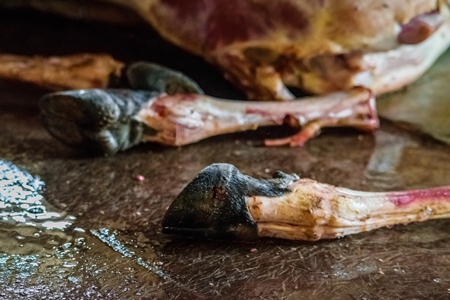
column 184, row 119
column 80, row 71
column 222, row 203
column 108, row 121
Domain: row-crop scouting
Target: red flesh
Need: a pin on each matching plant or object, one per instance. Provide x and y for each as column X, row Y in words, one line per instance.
column 405, row 198
column 420, row 28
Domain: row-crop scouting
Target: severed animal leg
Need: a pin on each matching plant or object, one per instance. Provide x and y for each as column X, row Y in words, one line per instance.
column 100, row 119
column 104, row 121
column 222, row 203
column 80, row 71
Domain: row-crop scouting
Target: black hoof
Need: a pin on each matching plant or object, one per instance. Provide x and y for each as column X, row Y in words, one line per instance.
column 100, row 121
column 153, row 77
column 213, row 205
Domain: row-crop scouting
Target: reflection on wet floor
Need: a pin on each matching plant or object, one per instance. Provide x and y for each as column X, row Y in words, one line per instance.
column 385, row 159
column 42, row 247
column 21, row 202
column 33, row 240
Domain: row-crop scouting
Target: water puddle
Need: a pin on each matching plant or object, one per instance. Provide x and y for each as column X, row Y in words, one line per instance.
column 21, row 201
column 34, row 239
column 41, row 246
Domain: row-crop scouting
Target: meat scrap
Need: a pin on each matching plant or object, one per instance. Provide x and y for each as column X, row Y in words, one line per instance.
column 266, row 47
column 79, row 71
column 222, row 203
column 108, row 121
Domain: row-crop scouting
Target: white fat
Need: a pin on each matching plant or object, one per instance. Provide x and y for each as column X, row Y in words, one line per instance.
column 392, row 70
column 389, row 41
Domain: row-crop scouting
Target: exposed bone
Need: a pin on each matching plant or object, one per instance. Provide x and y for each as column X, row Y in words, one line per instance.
column 80, row 71
column 314, row 210
column 184, row 119
column 221, row 203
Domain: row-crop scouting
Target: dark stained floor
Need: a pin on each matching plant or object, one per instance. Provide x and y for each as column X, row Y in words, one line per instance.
column 112, row 246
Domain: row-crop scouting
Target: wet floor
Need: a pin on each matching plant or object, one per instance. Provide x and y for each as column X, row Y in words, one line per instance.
column 75, row 226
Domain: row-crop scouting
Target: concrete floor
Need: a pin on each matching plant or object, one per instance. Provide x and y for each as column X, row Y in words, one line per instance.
column 112, row 246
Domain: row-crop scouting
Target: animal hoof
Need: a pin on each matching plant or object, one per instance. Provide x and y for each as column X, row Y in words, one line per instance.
column 153, row 77
column 100, row 121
